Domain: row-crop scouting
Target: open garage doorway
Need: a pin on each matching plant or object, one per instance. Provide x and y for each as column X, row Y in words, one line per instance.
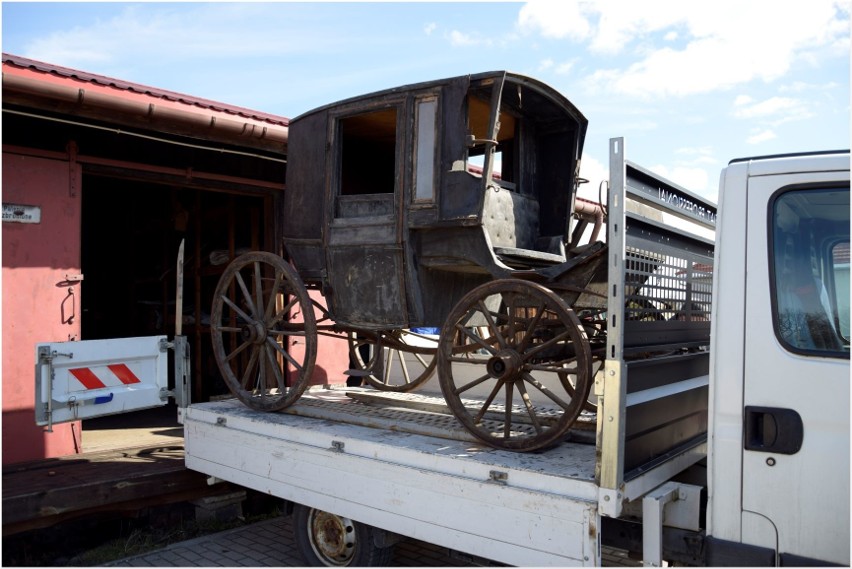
column 131, row 233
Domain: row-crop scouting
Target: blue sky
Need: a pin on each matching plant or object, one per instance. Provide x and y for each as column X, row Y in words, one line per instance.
column 689, row 84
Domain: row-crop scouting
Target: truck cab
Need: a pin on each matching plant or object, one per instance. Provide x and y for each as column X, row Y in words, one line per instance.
column 778, row 474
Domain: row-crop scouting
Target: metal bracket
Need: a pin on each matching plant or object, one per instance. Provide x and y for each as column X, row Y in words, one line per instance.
column 337, row 446
column 181, row 392
column 45, row 359
column 672, row 504
column 498, row 477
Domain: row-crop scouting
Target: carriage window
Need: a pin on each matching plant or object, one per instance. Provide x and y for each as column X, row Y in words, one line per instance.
column 368, row 153
column 424, row 183
column 810, row 238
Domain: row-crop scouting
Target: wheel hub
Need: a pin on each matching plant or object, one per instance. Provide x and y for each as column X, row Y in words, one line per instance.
column 505, row 365
column 333, row 537
column 254, row 332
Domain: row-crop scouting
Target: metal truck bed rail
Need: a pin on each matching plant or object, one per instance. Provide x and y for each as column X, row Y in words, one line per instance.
column 653, row 396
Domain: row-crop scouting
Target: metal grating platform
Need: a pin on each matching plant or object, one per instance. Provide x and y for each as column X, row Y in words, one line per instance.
column 417, row 414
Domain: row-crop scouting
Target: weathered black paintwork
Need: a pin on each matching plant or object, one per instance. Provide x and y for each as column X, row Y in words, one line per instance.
column 385, row 260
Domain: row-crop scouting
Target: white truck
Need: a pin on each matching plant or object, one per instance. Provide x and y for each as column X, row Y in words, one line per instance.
column 727, row 448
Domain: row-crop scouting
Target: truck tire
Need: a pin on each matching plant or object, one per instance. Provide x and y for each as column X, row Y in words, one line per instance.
column 329, row 540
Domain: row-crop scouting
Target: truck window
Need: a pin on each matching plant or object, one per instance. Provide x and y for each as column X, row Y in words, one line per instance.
column 810, row 238
column 840, row 259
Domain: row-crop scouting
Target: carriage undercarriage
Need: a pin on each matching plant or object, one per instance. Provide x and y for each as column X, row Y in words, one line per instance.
column 514, row 361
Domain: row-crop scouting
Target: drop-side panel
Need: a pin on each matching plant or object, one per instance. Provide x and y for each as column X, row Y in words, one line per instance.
column 516, row 509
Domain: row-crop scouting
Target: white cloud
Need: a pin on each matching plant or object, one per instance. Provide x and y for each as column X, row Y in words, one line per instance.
column 693, row 179
column 595, row 172
column 761, row 136
column 694, row 156
column 565, row 68
column 429, row 28
column 169, row 33
column 556, row 20
column 545, row 64
column 719, row 44
column 773, row 111
column 461, row 39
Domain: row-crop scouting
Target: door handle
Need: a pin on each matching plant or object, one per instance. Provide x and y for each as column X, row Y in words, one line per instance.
column 773, row 429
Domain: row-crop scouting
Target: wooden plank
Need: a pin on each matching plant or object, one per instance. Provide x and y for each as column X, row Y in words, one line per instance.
column 42, row 493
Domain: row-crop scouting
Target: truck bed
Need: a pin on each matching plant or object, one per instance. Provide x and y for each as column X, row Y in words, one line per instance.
column 401, row 465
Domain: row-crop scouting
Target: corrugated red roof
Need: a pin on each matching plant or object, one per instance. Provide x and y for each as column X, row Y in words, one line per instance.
column 163, row 94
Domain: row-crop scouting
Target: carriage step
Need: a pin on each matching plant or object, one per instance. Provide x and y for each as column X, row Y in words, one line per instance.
column 358, row 372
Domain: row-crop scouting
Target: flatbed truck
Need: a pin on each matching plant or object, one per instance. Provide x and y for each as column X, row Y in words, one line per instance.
column 719, row 445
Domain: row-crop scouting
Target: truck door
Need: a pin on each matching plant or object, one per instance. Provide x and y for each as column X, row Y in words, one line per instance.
column 795, row 479
column 93, row 378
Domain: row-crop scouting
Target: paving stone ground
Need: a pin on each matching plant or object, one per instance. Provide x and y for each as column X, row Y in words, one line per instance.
column 270, row 544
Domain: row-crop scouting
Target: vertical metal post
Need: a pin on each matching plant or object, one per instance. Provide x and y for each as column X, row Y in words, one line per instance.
column 611, row 388
column 653, row 510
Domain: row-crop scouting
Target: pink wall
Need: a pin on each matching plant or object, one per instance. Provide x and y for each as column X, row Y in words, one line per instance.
column 332, row 353
column 38, row 305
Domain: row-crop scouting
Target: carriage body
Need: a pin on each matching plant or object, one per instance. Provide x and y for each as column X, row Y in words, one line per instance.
column 450, row 205
column 400, row 202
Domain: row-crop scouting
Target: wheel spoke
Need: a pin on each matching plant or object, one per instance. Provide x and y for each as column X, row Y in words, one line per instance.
column 284, row 353
column 491, row 324
column 248, row 371
column 279, row 378
column 237, row 309
column 246, row 295
column 270, row 306
column 525, row 397
column 237, row 351
column 472, row 384
column 476, row 339
column 545, row 390
column 283, row 313
column 553, row 341
column 487, row 403
column 510, row 299
column 258, row 290
column 507, row 412
column 403, row 366
column 530, row 332
column 287, row 333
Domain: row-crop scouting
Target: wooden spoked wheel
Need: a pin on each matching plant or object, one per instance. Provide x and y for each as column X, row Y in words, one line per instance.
column 407, row 359
column 264, row 331
column 594, row 325
column 514, row 365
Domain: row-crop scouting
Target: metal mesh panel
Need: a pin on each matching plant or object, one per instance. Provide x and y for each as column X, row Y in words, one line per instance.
column 667, row 287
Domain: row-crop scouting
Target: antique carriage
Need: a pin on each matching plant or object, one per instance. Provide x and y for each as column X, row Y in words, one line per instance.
column 447, row 205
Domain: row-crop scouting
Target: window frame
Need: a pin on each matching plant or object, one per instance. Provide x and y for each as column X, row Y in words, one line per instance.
column 826, row 246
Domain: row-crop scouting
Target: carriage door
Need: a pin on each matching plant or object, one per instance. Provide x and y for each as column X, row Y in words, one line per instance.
column 795, row 479
column 365, row 255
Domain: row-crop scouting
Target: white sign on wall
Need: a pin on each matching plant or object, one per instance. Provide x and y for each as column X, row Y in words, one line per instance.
column 21, row 213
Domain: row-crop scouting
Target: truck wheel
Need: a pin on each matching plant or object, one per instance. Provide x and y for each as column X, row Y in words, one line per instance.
column 328, row 540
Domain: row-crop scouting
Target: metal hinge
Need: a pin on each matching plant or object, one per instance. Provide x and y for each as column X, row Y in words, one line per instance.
column 498, row 477
column 45, row 358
